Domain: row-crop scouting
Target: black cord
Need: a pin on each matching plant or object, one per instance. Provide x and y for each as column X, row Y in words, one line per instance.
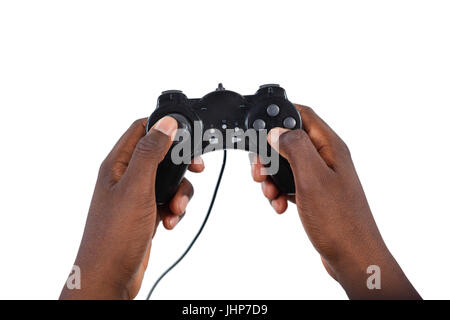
column 219, row 179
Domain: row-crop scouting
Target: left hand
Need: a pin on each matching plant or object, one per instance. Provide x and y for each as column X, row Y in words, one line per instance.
column 123, row 215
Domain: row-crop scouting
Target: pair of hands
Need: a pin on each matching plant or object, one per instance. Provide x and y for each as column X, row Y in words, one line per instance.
column 331, row 203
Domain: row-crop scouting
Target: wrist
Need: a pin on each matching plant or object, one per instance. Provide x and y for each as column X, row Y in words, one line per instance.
column 95, row 289
column 98, row 279
column 357, row 257
column 369, row 271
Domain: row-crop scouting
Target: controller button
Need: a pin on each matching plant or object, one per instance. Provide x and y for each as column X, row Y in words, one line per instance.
column 171, row 91
column 269, row 85
column 273, row 110
column 289, row 123
column 259, row 124
column 213, row 140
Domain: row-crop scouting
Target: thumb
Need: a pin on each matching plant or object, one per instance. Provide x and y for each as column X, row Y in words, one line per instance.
column 149, row 152
column 299, row 151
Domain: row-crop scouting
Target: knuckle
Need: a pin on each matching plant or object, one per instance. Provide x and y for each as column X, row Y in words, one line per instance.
column 139, row 123
column 307, row 109
column 104, row 167
column 343, row 148
column 304, row 109
column 105, row 177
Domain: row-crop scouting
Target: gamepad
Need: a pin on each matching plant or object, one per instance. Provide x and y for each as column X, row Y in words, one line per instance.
column 203, row 123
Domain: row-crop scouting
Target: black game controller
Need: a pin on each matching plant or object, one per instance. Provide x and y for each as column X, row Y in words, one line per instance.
column 223, row 113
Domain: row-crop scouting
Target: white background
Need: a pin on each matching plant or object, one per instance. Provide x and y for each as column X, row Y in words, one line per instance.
column 75, row 74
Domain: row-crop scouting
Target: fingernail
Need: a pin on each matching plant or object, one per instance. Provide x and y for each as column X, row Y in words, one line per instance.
column 168, row 126
column 274, row 205
column 173, row 221
column 183, row 203
column 274, row 136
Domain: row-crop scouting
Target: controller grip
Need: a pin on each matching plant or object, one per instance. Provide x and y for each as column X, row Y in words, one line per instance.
column 169, row 174
column 168, row 178
column 284, row 178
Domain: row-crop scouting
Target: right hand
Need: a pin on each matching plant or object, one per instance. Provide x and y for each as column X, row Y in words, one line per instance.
column 333, row 208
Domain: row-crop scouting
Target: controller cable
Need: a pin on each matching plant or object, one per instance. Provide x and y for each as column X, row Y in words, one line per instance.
column 219, row 179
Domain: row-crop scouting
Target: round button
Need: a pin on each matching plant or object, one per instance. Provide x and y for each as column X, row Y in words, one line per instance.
column 259, row 124
column 289, row 123
column 273, row 110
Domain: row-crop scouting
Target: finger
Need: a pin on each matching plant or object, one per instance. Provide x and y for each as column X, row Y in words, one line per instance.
column 197, row 165
column 279, row 204
column 258, row 170
column 170, row 221
column 181, row 198
column 149, row 152
column 269, row 189
column 307, row 165
column 329, row 145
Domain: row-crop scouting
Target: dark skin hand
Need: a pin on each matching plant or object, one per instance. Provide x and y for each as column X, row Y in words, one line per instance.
column 333, row 209
column 123, row 215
